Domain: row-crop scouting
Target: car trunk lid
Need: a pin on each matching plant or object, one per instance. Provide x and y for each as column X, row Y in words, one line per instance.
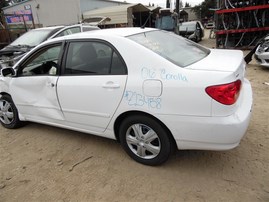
column 220, row 60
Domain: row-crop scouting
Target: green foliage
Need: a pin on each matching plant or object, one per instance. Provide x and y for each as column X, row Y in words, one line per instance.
column 203, row 9
column 187, row 5
column 3, row 3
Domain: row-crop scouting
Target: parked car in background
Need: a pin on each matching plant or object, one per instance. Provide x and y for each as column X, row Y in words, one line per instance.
column 192, row 30
column 165, row 92
column 262, row 52
column 74, row 29
column 14, row 51
column 210, row 25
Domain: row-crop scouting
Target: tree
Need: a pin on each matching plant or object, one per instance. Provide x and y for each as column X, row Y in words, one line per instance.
column 178, row 5
column 202, row 10
column 3, row 3
column 187, row 5
column 167, row 3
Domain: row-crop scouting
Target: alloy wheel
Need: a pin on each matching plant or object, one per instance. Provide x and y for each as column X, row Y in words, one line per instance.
column 6, row 112
column 143, row 141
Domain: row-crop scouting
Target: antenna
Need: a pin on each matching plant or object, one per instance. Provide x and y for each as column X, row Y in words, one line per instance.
column 144, row 25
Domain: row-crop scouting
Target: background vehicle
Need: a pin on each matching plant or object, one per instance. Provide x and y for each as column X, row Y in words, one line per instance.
column 262, row 52
column 193, row 30
column 14, row 51
column 165, row 92
column 167, row 20
column 210, row 25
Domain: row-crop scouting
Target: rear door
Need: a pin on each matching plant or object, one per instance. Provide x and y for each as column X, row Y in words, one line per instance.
column 92, row 84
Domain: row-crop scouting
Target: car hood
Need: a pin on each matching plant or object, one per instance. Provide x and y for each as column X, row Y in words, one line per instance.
column 10, row 50
column 220, row 60
column 11, row 54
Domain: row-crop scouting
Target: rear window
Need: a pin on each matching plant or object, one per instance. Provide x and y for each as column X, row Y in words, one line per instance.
column 174, row 48
column 187, row 27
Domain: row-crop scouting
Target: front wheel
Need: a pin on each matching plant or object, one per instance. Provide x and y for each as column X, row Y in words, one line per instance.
column 145, row 140
column 8, row 113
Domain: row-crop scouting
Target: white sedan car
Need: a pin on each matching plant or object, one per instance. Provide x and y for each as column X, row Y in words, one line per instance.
column 151, row 90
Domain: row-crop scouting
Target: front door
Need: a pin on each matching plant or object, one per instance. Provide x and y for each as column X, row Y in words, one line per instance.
column 34, row 89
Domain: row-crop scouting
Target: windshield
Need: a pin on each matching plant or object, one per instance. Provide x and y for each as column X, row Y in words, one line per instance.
column 187, row 27
column 32, row 38
column 165, row 22
column 174, row 48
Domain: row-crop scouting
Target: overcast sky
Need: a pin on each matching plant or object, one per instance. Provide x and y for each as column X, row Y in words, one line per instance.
column 162, row 3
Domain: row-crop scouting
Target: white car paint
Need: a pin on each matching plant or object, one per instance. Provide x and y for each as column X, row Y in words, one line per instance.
column 92, row 101
column 173, row 95
column 36, row 97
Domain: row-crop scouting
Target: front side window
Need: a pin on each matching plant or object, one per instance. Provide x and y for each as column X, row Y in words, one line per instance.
column 94, row 58
column 177, row 50
column 44, row 62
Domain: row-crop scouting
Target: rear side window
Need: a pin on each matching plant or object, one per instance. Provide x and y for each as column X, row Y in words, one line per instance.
column 174, row 48
column 69, row 31
column 88, row 28
column 96, row 58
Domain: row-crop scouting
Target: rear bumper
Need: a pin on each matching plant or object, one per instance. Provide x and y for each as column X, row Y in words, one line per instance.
column 212, row 133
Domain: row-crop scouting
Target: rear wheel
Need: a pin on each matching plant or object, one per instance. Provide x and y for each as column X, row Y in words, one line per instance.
column 145, row 140
column 8, row 113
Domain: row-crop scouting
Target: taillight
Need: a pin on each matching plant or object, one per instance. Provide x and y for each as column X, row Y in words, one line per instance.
column 226, row 94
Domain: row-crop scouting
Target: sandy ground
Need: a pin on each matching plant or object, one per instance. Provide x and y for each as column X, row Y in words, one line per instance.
column 42, row 163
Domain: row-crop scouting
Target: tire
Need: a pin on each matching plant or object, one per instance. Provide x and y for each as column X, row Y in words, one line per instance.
column 152, row 150
column 8, row 113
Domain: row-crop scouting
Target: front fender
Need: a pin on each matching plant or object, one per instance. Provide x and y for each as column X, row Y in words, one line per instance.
column 4, row 84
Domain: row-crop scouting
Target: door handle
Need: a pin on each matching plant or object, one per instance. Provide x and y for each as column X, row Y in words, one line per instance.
column 49, row 84
column 111, row 84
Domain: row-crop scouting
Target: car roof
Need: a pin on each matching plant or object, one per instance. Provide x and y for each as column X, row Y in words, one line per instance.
column 50, row 28
column 123, row 32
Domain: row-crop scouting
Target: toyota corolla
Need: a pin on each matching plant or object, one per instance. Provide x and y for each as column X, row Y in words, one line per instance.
column 151, row 90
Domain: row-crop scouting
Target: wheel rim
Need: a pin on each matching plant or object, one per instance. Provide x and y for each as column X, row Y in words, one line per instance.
column 143, row 141
column 6, row 112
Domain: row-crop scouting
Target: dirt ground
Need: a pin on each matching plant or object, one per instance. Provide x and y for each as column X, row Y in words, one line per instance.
column 43, row 163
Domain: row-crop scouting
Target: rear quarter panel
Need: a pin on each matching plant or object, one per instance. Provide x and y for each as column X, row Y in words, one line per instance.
column 182, row 90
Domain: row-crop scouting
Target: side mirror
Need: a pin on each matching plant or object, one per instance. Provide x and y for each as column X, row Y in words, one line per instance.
column 8, row 72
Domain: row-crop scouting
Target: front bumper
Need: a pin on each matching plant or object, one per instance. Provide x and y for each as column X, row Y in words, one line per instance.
column 262, row 57
column 212, row 133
